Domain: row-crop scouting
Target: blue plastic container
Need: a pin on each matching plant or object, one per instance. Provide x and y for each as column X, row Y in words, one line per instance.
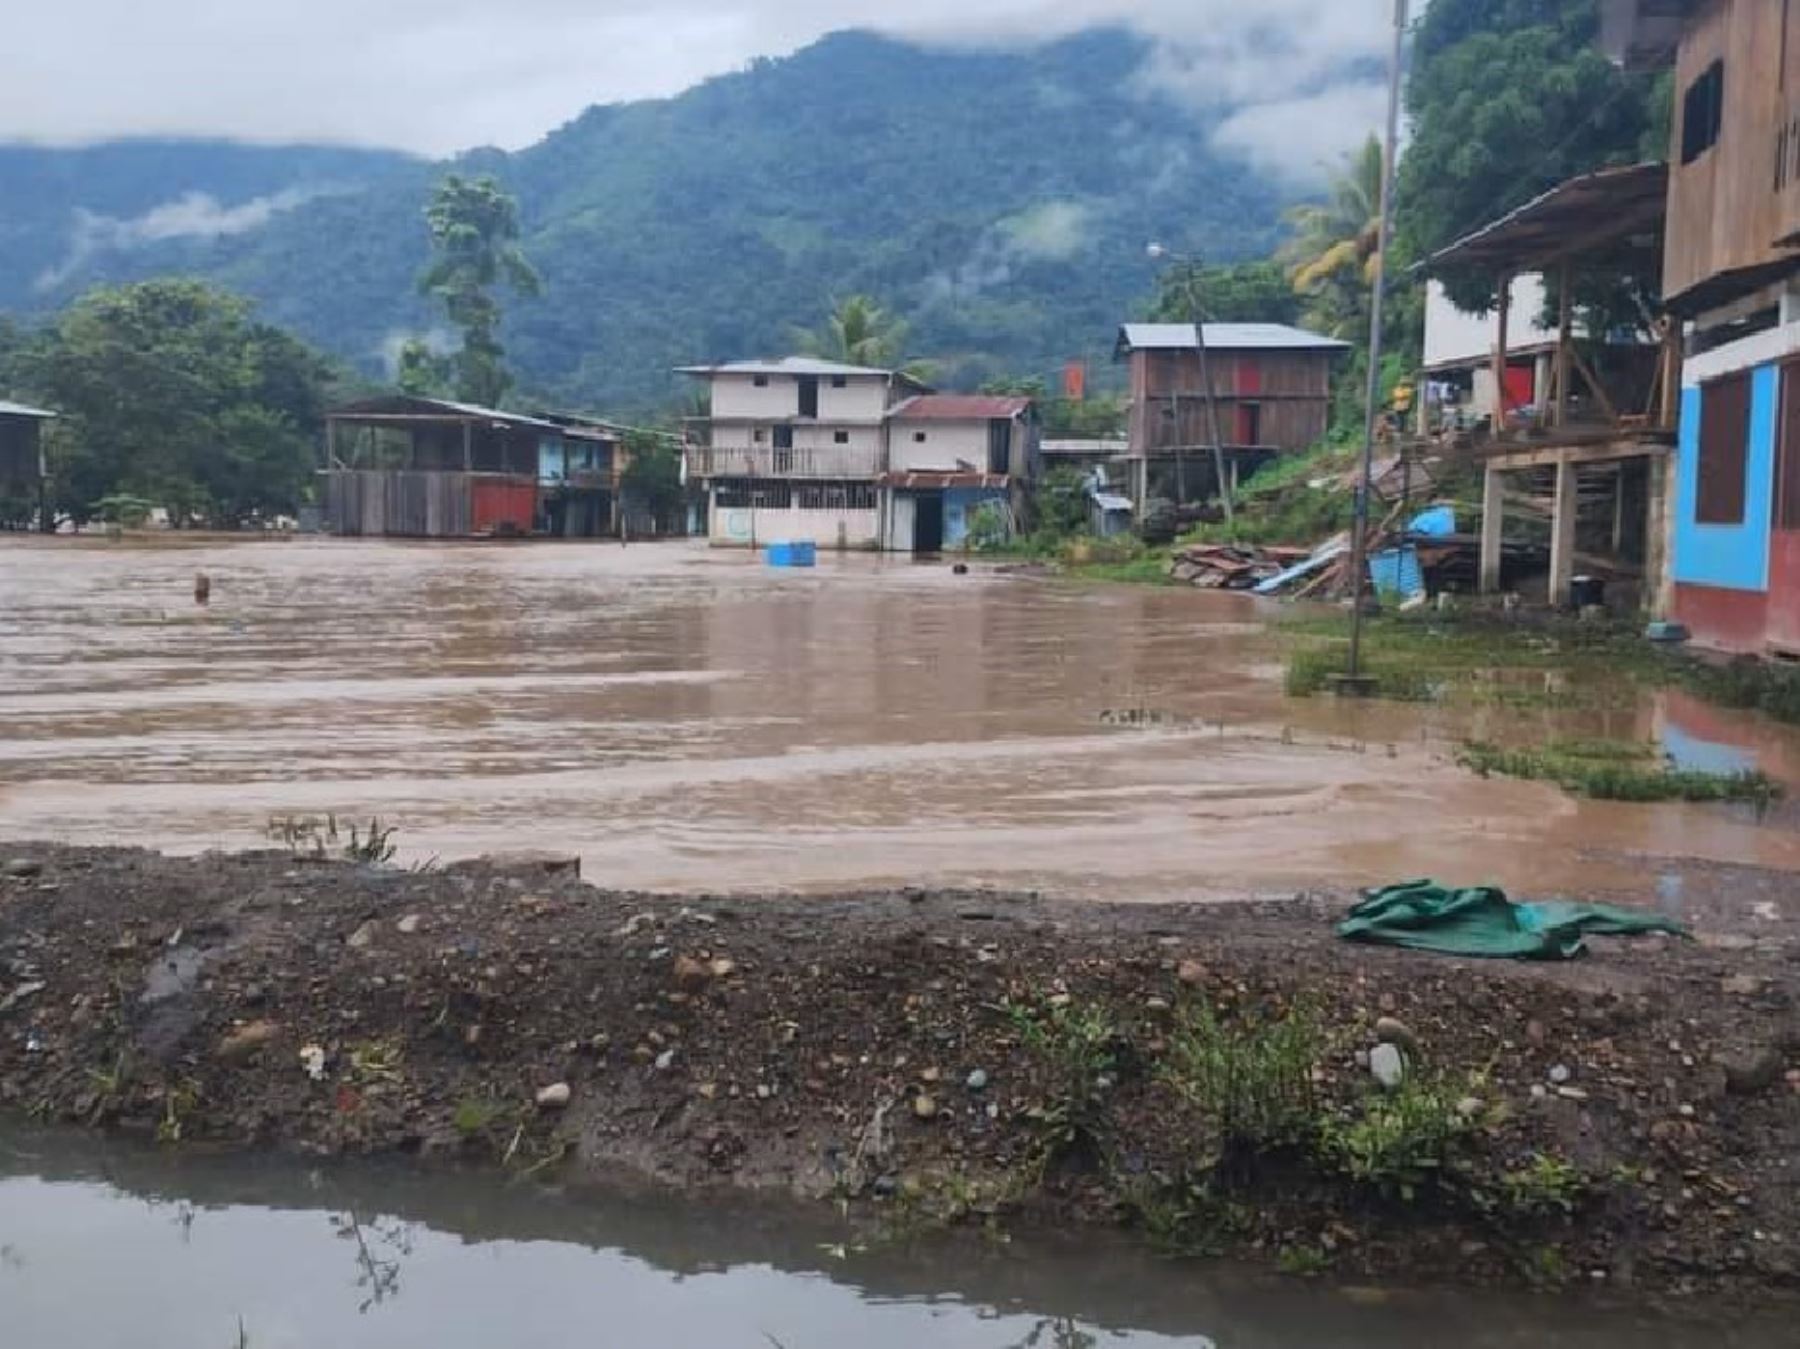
column 793, row 553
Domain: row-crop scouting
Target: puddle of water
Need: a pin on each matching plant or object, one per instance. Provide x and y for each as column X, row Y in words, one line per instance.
column 106, row 1247
column 688, row 719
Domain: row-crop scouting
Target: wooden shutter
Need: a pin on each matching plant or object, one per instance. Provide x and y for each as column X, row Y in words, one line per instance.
column 1724, row 450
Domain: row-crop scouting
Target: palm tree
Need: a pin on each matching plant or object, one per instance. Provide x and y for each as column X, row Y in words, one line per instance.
column 858, row 331
column 1332, row 258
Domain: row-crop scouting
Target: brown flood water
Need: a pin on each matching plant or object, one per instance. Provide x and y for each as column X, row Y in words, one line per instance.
column 695, row 720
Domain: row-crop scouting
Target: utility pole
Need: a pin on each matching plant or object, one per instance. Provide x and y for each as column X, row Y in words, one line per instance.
column 1355, row 681
column 1212, row 403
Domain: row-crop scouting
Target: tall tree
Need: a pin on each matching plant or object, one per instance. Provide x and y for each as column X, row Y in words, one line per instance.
column 171, row 391
column 1506, row 99
column 1234, row 292
column 474, row 229
column 1332, row 258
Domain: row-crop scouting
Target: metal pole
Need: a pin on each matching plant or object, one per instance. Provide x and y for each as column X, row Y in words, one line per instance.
column 1360, row 540
column 1212, row 405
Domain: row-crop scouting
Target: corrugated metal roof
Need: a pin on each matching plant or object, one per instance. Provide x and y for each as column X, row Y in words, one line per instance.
column 1224, row 337
column 1591, row 213
column 394, row 405
column 959, row 407
column 786, row 365
column 20, row 410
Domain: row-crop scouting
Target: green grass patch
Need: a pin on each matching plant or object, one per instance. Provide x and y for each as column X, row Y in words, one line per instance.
column 1616, row 771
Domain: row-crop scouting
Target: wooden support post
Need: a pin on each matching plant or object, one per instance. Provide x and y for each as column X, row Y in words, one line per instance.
column 468, row 446
column 1562, row 533
column 1618, row 525
column 1659, row 524
column 1565, row 336
column 1671, row 374
column 1493, row 524
column 1500, row 344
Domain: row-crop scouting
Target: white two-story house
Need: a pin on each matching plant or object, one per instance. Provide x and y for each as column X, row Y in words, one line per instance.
column 794, row 449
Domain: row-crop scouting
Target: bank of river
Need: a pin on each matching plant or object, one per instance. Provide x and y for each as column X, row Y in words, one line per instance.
column 105, row 1245
column 931, row 1059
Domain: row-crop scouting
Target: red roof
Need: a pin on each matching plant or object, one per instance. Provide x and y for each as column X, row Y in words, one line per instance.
column 959, row 407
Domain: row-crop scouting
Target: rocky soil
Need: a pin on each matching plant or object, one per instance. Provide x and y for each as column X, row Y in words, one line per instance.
column 862, row 1048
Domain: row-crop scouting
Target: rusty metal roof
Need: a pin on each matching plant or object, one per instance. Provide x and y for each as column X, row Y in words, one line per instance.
column 959, row 407
column 1607, row 211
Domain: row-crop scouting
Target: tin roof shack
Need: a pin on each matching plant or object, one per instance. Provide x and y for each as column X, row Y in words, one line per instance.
column 1588, row 453
column 1271, row 384
column 1731, row 274
column 24, row 467
column 412, row 467
column 956, row 463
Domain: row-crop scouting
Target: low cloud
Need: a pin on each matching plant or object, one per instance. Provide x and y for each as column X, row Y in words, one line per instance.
column 440, row 341
column 193, row 215
column 1051, row 231
column 1305, row 140
column 505, row 75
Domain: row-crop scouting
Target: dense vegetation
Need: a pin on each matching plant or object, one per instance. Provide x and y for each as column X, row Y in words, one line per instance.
column 998, row 202
column 172, row 396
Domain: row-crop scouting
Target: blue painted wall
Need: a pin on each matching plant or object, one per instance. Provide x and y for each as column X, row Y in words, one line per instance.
column 960, row 505
column 1733, row 557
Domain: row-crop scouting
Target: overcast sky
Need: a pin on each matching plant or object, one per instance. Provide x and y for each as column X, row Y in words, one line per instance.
column 438, row 76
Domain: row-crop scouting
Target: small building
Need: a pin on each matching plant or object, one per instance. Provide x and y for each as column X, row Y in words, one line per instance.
column 1459, row 370
column 949, row 458
column 1270, row 385
column 24, row 467
column 1731, row 276
column 1589, row 452
column 410, row 467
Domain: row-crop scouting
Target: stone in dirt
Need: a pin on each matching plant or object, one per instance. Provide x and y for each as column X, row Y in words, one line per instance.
column 1753, row 1070
column 1387, row 1065
column 978, row 1080
column 925, row 1107
column 1560, row 1074
column 1191, row 972
column 1741, row 985
column 691, row 975
column 246, row 1041
column 1392, row 1031
column 409, row 924
column 361, row 938
column 723, row 967
column 24, row 868
column 553, row 1097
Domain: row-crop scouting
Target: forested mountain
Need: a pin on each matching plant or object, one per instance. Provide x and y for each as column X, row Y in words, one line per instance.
column 1000, row 202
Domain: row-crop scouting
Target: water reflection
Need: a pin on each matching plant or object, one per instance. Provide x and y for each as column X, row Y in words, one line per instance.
column 351, row 1256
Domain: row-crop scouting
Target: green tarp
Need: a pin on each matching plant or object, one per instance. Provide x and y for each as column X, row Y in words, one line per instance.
column 1482, row 921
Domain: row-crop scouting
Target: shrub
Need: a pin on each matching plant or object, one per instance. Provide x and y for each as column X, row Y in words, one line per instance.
column 1250, row 1081
column 1398, row 1142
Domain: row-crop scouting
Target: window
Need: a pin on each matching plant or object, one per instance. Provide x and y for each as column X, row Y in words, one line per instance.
column 1724, row 450
column 1702, row 112
column 840, row 381
column 760, row 381
column 840, row 437
column 760, row 436
column 918, row 437
column 835, row 496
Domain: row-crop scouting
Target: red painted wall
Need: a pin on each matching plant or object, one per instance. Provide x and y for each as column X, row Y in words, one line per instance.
column 503, row 505
column 1784, row 590
column 1731, row 620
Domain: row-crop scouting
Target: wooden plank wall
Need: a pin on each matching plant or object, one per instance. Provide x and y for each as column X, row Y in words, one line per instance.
column 1290, row 388
column 1725, row 213
column 401, row 503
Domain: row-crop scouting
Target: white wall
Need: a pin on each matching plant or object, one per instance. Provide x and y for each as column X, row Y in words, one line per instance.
column 1456, row 337
column 945, row 443
column 732, row 526
column 863, row 398
column 741, row 435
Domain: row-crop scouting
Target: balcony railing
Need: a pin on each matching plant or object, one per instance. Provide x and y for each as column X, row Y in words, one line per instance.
column 767, row 461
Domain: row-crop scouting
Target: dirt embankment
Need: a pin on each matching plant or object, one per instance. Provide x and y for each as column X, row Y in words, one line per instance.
column 936, row 1057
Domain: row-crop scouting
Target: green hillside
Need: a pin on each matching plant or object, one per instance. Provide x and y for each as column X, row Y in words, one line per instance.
column 999, row 201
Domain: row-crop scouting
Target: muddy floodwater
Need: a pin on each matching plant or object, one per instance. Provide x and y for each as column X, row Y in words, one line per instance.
column 687, row 719
column 115, row 1247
